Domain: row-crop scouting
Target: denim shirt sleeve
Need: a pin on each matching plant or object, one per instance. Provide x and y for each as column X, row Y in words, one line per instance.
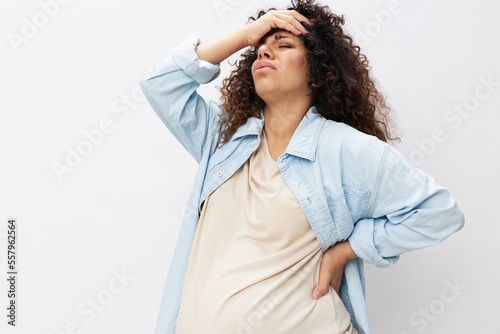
column 408, row 211
column 170, row 88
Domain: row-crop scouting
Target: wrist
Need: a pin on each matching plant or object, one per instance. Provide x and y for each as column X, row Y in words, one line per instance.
column 345, row 251
column 244, row 36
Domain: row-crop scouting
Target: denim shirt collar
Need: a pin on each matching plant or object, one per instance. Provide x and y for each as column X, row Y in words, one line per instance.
column 304, row 140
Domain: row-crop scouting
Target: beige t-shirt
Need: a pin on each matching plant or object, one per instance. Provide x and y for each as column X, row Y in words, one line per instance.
column 255, row 261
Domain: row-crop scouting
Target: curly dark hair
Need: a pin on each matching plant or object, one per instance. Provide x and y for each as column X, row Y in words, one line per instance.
column 341, row 85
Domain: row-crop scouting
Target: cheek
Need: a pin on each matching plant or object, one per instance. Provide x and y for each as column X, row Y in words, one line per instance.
column 300, row 63
column 302, row 71
column 304, row 65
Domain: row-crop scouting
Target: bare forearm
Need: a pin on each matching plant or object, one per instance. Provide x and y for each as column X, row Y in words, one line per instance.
column 218, row 50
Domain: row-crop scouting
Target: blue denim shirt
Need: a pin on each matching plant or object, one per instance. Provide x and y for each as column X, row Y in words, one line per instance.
column 350, row 185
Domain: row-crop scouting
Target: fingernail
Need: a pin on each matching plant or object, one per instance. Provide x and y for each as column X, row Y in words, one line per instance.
column 316, row 295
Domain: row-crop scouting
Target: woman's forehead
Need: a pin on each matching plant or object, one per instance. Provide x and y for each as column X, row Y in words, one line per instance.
column 277, row 34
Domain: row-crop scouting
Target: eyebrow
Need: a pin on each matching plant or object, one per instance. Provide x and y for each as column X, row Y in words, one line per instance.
column 277, row 36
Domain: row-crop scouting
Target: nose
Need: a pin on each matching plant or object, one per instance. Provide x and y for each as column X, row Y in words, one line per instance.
column 264, row 52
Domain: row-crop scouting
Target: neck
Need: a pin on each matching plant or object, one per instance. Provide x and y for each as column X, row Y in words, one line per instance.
column 281, row 120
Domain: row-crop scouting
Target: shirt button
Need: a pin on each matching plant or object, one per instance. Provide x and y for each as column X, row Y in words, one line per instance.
column 219, row 174
column 254, row 143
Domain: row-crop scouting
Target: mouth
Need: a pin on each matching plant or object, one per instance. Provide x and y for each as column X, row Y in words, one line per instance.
column 263, row 66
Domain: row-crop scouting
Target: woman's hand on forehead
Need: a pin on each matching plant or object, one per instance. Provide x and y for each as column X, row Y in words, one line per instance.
column 288, row 20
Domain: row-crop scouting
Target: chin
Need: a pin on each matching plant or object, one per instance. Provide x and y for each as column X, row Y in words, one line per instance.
column 265, row 91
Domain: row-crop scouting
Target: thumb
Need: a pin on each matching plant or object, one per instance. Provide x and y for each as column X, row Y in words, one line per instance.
column 325, row 278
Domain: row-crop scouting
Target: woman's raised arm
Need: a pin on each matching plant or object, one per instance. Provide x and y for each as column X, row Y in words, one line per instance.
column 220, row 49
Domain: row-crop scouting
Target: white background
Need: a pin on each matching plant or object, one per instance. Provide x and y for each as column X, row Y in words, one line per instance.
column 119, row 209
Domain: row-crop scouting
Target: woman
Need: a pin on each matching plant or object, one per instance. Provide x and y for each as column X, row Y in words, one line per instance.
column 296, row 186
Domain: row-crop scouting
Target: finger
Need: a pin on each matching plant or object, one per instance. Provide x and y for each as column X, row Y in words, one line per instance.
column 290, row 24
column 296, row 15
column 299, row 17
column 285, row 25
column 325, row 278
column 293, row 21
column 299, row 20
